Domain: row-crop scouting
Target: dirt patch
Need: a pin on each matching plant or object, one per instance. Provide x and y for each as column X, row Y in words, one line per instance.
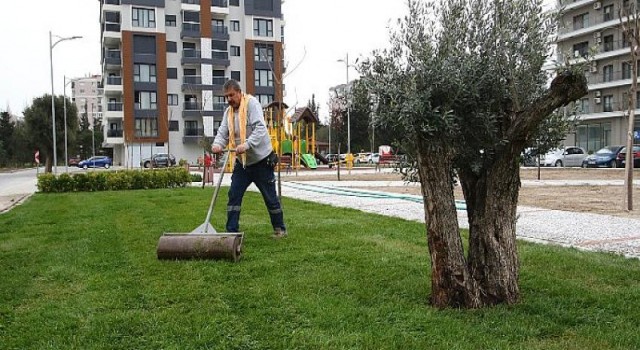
column 608, row 200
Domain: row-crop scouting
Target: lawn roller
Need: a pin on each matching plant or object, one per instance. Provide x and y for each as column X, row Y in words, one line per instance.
column 203, row 242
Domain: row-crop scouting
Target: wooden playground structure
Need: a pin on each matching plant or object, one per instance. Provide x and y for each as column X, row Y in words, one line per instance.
column 293, row 137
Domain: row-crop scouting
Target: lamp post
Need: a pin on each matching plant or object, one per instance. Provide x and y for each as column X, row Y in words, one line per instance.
column 53, row 105
column 346, row 91
column 66, row 154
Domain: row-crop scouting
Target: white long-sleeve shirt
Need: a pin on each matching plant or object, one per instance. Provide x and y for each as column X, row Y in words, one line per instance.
column 258, row 139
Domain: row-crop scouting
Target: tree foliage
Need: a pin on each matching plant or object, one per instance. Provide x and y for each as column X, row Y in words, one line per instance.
column 38, row 122
column 464, row 84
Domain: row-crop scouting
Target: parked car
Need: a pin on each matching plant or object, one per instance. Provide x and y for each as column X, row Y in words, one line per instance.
column 74, row 160
column 373, row 158
column 623, row 154
column 529, row 157
column 96, row 162
column 568, row 156
column 362, row 158
column 604, row 157
column 159, row 160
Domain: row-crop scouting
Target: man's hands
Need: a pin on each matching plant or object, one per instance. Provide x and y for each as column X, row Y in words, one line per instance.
column 242, row 148
column 216, row 149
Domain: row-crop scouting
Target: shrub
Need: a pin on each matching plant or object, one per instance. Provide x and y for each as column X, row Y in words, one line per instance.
column 115, row 180
column 196, row 178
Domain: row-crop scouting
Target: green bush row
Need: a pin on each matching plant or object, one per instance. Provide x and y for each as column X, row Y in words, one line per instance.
column 114, row 180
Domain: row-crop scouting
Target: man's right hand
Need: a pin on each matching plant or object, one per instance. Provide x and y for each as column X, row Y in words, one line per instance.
column 216, row 149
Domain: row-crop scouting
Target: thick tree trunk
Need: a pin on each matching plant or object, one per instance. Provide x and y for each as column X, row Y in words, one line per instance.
column 491, row 208
column 490, row 276
column 450, row 282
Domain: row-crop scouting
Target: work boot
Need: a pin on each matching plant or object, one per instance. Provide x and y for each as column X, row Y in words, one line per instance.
column 279, row 233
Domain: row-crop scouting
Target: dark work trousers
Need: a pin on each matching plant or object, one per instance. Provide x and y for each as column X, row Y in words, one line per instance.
column 262, row 175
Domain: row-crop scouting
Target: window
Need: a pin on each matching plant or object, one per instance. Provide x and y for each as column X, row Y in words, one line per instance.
column 191, row 16
column 219, row 45
column 263, row 53
column 264, row 99
column 607, row 13
column 581, row 49
column 235, row 51
column 263, row 77
column 172, row 99
column 146, row 100
column 146, row 127
column 607, row 103
column 170, row 20
column 172, row 46
column 191, row 127
column 608, row 43
column 145, row 73
column 263, row 5
column 174, row 125
column 172, row 73
column 235, row 26
column 144, row 44
column 235, row 75
column 581, row 21
column 607, row 73
column 262, row 27
column 626, row 70
column 234, row 2
column 144, row 18
column 583, row 106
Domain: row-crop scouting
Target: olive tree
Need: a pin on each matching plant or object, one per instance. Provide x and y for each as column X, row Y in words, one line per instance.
column 463, row 80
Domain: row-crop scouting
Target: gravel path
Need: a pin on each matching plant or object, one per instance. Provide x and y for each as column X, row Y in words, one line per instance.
column 584, row 231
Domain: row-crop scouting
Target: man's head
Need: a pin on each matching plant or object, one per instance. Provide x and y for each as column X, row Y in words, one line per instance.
column 233, row 93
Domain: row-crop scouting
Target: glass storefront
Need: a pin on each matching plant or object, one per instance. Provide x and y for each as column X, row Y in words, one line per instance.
column 593, row 136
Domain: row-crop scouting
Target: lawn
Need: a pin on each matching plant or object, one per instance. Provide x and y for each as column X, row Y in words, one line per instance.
column 79, row 271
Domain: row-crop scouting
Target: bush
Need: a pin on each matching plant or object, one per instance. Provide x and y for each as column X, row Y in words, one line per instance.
column 114, row 180
column 196, row 178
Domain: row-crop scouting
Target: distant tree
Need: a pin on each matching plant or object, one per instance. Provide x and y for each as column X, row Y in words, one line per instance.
column 84, row 142
column 313, row 106
column 464, row 82
column 22, row 145
column 360, row 117
column 38, row 121
column 6, row 133
column 338, row 122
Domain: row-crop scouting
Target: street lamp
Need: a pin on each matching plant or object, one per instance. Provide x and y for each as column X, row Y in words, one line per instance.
column 66, row 154
column 53, row 105
column 346, row 89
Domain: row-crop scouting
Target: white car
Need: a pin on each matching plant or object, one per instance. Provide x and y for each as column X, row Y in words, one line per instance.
column 373, row 158
column 568, row 156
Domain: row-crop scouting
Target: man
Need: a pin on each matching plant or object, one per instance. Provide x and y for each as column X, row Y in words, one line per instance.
column 243, row 128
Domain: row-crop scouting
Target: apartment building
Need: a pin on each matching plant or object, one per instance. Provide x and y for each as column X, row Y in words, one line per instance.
column 587, row 28
column 87, row 95
column 164, row 63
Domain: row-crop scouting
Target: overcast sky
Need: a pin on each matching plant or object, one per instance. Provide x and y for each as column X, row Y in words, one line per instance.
column 327, row 30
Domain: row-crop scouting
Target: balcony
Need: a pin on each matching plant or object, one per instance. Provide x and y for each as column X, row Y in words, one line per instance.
column 113, row 84
column 114, row 111
column 220, row 58
column 191, row 2
column 114, row 107
column 193, row 83
column 192, row 109
column 220, row 6
column 110, row 5
column 190, row 30
column 115, row 133
column 112, row 59
column 192, row 136
column 220, row 32
column 193, row 57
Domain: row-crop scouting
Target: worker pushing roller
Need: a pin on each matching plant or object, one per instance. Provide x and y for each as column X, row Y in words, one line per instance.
column 243, row 129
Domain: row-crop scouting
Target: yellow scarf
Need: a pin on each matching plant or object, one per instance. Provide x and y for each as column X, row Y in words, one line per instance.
column 242, row 114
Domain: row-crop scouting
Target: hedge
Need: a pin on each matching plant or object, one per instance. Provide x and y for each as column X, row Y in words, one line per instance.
column 114, row 180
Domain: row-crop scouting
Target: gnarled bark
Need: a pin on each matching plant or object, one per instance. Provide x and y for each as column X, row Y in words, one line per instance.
column 489, row 276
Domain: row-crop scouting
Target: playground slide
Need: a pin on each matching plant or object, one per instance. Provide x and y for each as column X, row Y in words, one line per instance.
column 309, row 161
column 322, row 159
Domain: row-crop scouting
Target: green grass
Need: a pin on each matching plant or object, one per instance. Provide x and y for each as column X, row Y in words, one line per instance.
column 79, row 271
